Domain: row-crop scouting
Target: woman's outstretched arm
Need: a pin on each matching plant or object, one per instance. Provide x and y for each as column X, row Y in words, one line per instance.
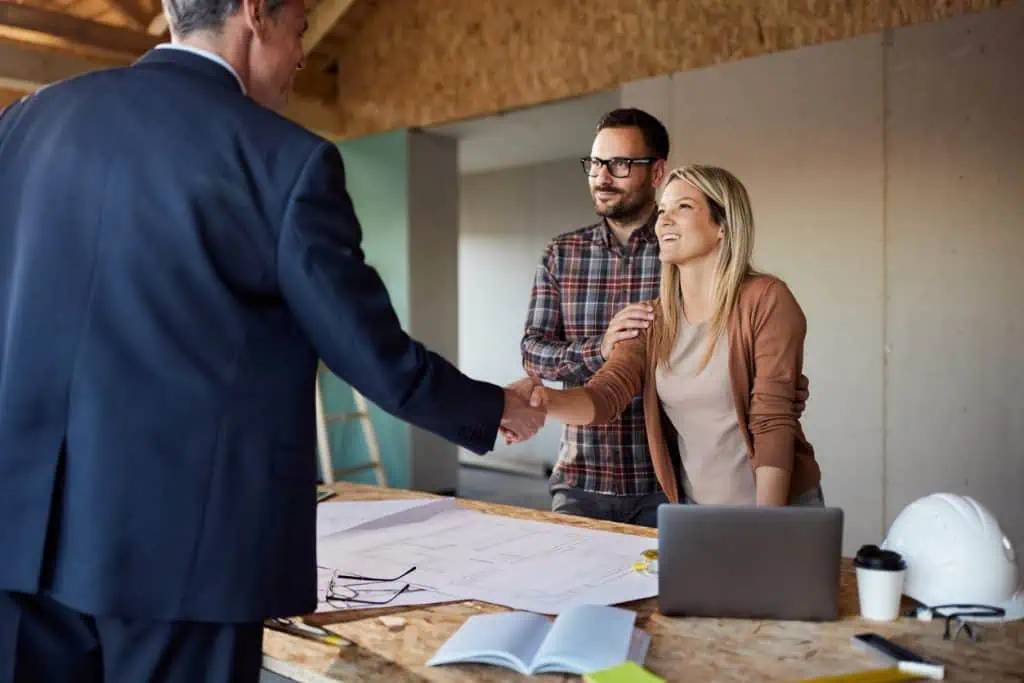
column 607, row 393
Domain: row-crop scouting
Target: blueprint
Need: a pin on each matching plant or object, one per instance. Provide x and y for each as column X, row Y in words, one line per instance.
column 332, row 517
column 461, row 554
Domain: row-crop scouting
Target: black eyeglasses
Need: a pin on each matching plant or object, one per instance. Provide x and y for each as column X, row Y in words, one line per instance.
column 958, row 613
column 618, row 167
column 344, row 590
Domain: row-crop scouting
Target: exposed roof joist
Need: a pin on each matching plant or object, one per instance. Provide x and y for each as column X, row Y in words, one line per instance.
column 131, row 11
column 322, row 19
column 39, row 46
column 46, row 28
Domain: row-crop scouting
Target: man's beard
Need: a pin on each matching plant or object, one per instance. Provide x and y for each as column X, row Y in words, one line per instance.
column 626, row 209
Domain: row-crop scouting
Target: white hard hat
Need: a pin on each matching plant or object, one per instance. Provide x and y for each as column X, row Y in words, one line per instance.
column 956, row 553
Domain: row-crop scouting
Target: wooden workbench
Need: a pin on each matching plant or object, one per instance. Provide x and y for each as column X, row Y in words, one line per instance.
column 682, row 649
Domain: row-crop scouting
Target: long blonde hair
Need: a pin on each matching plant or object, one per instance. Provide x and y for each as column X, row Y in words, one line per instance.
column 730, row 208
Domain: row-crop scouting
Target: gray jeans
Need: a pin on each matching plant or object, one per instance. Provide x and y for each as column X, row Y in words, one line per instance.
column 639, row 510
column 811, row 498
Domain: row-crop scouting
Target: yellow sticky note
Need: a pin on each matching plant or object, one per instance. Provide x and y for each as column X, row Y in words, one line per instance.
column 627, row 672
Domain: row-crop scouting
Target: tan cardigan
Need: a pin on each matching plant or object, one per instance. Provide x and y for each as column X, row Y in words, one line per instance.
column 766, row 348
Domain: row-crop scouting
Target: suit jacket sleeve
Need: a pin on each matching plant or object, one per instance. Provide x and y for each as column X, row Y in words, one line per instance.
column 344, row 308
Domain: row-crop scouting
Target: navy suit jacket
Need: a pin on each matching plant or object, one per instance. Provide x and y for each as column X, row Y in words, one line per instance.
column 174, row 260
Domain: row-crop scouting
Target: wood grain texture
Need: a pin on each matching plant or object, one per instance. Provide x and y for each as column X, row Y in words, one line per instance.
column 82, row 37
column 9, row 97
column 27, row 68
column 422, row 62
column 731, row 650
column 123, row 13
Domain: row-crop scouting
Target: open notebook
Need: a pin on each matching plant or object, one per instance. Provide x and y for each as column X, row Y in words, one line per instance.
column 581, row 639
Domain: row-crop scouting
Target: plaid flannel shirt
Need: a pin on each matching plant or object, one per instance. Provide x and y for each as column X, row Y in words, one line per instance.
column 584, row 278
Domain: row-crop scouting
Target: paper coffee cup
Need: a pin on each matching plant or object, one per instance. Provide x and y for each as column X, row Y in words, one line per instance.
column 880, row 575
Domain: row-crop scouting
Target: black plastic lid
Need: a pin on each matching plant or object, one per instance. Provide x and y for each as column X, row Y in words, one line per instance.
column 873, row 557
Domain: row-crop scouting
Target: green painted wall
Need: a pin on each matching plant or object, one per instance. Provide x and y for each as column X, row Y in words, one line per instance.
column 376, row 175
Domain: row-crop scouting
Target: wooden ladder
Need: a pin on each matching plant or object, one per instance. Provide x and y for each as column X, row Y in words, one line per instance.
column 323, row 440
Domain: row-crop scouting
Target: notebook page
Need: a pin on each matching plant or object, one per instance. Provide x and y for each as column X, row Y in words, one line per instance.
column 587, row 638
column 513, row 637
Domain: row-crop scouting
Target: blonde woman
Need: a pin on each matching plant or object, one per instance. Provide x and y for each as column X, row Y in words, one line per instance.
column 719, row 363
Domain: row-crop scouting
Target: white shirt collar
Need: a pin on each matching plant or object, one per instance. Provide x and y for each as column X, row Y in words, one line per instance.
column 204, row 53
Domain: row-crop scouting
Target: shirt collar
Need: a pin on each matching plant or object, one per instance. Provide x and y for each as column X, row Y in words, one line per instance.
column 204, row 53
column 643, row 234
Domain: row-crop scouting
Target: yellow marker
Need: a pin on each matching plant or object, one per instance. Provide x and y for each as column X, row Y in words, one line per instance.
column 308, row 631
column 890, row 675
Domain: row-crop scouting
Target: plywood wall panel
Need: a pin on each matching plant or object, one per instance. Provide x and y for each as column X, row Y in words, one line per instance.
column 422, row 62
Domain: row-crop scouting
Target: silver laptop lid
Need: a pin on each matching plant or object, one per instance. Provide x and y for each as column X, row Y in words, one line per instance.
column 749, row 562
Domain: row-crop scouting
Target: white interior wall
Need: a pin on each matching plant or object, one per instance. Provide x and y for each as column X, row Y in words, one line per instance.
column 954, row 255
column 803, row 131
column 506, row 219
column 885, row 174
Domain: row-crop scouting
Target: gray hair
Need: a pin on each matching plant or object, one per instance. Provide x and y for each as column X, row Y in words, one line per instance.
column 188, row 16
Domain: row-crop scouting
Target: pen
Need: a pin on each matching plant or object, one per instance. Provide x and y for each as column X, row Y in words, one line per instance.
column 302, row 630
column 935, row 672
column 888, row 675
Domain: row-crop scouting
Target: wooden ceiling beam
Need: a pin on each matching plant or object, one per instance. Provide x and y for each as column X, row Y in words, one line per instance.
column 49, row 46
column 315, row 115
column 132, row 11
column 317, row 80
column 158, row 26
column 25, row 69
column 46, row 28
column 9, row 97
column 322, row 19
column 89, row 39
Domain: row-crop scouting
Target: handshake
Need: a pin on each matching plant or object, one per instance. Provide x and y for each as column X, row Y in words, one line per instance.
column 525, row 410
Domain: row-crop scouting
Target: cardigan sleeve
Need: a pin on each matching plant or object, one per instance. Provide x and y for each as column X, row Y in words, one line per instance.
column 619, row 380
column 779, row 331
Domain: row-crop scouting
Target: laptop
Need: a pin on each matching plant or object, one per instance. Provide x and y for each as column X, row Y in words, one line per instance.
column 749, row 562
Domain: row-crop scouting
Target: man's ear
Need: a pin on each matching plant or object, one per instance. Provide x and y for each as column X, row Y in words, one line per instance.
column 255, row 16
column 658, row 172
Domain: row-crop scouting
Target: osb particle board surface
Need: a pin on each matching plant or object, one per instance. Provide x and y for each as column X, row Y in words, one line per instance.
column 423, row 62
column 681, row 649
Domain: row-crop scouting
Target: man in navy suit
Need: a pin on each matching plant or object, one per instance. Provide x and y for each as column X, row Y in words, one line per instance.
column 175, row 257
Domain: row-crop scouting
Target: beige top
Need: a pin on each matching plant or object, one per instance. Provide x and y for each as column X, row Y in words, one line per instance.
column 766, row 324
column 712, row 448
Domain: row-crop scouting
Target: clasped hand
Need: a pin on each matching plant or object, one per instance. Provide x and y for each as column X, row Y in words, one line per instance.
column 521, row 420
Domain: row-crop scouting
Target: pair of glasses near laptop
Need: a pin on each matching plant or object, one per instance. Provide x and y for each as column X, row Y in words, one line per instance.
column 958, row 613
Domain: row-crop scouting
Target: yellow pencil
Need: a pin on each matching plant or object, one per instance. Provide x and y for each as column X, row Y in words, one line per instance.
column 889, row 675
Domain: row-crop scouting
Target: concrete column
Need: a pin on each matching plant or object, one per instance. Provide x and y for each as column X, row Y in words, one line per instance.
column 404, row 186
